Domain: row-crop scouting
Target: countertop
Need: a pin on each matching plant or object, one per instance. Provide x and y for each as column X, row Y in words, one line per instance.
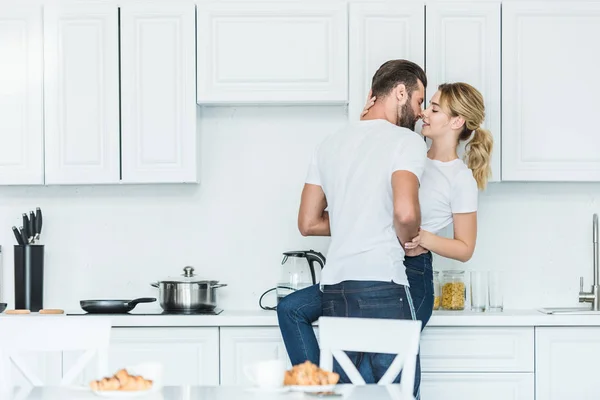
column 269, row 318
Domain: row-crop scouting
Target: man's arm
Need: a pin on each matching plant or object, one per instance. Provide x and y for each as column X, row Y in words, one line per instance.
column 313, row 220
column 407, row 212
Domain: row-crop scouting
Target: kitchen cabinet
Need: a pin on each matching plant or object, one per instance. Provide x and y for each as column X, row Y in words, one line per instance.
column 241, row 346
column 477, row 349
column 277, row 52
column 548, row 91
column 565, row 363
column 190, row 356
column 81, row 93
column 158, row 98
column 476, row 386
column 373, row 25
column 463, row 45
column 21, row 108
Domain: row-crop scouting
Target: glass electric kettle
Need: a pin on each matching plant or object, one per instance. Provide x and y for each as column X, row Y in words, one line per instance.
column 298, row 271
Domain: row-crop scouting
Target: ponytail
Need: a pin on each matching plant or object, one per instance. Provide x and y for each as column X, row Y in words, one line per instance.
column 478, row 154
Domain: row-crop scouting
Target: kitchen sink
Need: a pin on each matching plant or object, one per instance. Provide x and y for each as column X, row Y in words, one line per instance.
column 569, row 310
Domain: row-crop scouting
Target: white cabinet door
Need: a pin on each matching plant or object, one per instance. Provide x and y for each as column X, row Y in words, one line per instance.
column 158, row 92
column 21, row 112
column 453, row 386
column 272, row 52
column 190, row 356
column 245, row 346
column 463, row 45
column 381, row 31
column 549, row 91
column 81, row 93
column 566, row 363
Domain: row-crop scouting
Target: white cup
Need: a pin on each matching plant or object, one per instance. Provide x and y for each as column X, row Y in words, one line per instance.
column 266, row 374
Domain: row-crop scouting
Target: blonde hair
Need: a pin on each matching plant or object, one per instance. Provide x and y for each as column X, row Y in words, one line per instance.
column 463, row 100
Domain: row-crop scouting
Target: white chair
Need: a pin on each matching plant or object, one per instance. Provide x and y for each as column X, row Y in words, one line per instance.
column 371, row 335
column 45, row 333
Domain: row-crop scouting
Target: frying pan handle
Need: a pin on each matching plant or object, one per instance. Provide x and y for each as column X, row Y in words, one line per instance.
column 154, row 284
column 134, row 302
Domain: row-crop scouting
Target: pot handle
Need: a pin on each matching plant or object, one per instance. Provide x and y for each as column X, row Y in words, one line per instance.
column 154, row 284
column 218, row 285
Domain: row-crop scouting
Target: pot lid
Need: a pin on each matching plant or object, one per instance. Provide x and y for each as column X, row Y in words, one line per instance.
column 188, row 276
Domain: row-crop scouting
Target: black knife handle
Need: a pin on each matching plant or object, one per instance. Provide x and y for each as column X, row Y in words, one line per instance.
column 26, row 228
column 24, row 237
column 31, row 224
column 18, row 236
column 38, row 221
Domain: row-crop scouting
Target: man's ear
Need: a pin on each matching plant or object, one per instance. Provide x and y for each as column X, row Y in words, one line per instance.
column 457, row 122
column 401, row 94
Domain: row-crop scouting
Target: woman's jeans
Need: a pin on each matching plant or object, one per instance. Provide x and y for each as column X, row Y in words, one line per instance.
column 297, row 311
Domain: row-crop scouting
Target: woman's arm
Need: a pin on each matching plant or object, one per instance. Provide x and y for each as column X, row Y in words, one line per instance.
column 460, row 248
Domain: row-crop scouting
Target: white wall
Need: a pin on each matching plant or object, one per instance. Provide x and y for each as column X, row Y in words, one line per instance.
column 112, row 241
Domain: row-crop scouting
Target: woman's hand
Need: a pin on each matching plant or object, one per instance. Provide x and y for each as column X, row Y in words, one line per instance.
column 370, row 102
column 419, row 240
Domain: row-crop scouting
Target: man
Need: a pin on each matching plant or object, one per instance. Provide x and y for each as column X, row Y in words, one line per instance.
column 367, row 175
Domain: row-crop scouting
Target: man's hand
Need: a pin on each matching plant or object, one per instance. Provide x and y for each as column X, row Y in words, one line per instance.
column 417, row 251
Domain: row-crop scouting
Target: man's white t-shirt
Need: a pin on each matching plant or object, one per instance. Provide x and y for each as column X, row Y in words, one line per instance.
column 446, row 188
column 354, row 167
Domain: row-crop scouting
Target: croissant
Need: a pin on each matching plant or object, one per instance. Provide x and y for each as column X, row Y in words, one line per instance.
column 121, row 381
column 309, row 374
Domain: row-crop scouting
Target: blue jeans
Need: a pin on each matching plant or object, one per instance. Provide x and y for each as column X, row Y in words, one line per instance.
column 297, row 311
column 368, row 299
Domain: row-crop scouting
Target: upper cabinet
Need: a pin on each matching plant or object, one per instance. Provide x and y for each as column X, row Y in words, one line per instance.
column 463, row 45
column 380, row 32
column 81, row 93
column 276, row 52
column 549, row 87
column 21, row 83
column 158, row 92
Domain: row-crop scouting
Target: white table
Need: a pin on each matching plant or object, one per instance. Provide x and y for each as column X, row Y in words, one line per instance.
column 368, row 392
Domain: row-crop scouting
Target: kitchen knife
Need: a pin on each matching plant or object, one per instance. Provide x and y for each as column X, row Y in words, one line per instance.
column 26, row 228
column 23, row 236
column 18, row 236
column 32, row 226
column 38, row 223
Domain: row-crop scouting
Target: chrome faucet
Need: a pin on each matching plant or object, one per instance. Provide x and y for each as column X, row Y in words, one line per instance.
column 593, row 296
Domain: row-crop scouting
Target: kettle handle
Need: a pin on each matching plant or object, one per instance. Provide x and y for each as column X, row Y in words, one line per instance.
column 312, row 257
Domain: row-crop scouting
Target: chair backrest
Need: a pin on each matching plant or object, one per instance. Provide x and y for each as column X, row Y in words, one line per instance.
column 371, row 335
column 49, row 333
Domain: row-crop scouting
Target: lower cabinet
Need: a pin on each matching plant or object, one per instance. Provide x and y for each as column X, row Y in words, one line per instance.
column 477, row 386
column 567, row 363
column 190, row 356
column 45, row 366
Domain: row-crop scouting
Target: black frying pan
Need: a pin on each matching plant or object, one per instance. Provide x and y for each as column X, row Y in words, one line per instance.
column 112, row 306
column 2, row 307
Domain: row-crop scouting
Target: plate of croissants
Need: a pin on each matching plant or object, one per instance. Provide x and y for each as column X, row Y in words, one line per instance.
column 139, row 380
column 307, row 377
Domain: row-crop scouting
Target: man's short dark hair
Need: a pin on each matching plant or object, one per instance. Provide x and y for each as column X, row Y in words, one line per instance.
column 394, row 72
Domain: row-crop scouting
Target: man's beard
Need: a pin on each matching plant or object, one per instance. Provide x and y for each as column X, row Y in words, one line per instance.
column 406, row 116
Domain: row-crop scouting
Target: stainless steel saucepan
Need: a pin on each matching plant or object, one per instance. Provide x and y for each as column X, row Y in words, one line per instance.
column 187, row 293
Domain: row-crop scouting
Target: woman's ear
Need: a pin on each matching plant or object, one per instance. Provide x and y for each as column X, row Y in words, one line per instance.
column 457, row 122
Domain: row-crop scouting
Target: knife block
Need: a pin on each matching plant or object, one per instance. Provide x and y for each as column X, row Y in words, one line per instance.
column 29, row 277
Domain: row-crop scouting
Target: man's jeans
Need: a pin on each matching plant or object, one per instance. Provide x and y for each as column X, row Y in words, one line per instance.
column 297, row 311
column 368, row 299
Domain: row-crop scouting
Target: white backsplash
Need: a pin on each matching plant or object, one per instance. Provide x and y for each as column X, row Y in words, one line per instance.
column 112, row 241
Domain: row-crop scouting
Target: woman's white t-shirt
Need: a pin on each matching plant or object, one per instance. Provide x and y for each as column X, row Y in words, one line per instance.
column 446, row 188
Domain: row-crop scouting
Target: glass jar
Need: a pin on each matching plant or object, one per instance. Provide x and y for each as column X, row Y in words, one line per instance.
column 436, row 290
column 453, row 290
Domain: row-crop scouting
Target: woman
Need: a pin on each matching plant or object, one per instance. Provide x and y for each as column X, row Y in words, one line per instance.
column 448, row 193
